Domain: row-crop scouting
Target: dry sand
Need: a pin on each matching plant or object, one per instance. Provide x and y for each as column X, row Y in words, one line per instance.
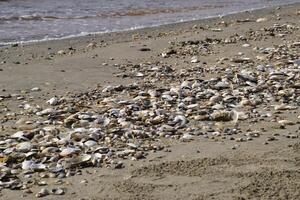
column 200, row 169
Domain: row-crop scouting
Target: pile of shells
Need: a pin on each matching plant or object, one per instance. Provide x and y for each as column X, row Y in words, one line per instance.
column 192, row 47
column 276, row 30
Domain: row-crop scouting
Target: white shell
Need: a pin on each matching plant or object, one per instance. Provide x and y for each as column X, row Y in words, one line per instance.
column 53, row 101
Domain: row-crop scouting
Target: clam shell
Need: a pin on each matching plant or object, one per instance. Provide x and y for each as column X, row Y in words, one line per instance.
column 24, row 147
column 31, row 165
column 90, row 143
column 68, row 151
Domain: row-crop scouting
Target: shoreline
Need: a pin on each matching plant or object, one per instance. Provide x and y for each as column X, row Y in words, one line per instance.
column 255, row 11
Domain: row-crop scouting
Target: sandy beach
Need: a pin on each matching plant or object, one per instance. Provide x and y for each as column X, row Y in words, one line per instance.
column 232, row 126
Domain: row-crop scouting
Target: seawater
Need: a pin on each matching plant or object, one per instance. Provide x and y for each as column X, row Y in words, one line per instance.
column 36, row 20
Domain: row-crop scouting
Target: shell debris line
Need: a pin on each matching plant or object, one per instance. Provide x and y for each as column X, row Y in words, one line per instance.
column 107, row 125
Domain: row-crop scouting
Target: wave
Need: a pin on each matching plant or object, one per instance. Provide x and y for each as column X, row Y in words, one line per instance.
column 82, row 34
column 133, row 12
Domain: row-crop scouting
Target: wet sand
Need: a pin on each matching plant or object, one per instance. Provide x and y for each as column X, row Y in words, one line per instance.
column 213, row 167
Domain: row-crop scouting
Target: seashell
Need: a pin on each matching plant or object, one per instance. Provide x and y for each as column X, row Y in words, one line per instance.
column 132, row 145
column 196, row 84
column 31, row 165
column 35, row 89
column 218, row 107
column 285, row 92
column 19, row 135
column 216, row 29
column 42, row 193
column 61, row 52
column 167, row 97
column 259, row 20
column 215, row 99
column 245, row 102
column 90, row 143
column 261, row 68
column 126, row 152
column 247, row 77
column 57, row 191
column 185, row 84
column 222, row 116
column 194, row 59
column 45, row 112
column 108, row 88
column 192, row 106
column 70, row 120
column 286, row 122
column 180, row 119
column 246, row 45
column 68, row 151
column 153, row 93
column 51, row 130
column 187, row 137
column 24, row 147
column 92, row 45
column 85, row 157
column 49, row 150
column 139, row 74
column 222, row 85
column 27, row 106
column 53, row 101
column 284, row 107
